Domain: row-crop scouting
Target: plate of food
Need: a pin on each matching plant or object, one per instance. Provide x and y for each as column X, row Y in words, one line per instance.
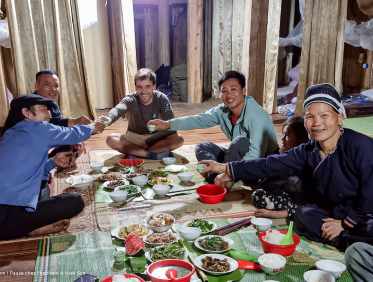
column 82, row 181
column 214, row 244
column 143, row 170
column 160, row 238
column 205, row 225
column 176, row 168
column 216, row 264
column 112, row 184
column 122, row 232
column 118, row 168
column 160, row 181
column 131, row 189
column 129, row 176
column 167, row 251
column 111, row 176
column 158, row 173
column 160, row 222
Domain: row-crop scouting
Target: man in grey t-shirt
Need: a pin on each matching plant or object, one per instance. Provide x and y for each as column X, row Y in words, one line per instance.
column 139, row 108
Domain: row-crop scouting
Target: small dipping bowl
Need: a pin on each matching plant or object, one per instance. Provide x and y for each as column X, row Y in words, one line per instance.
column 140, row 180
column 161, row 190
column 326, row 262
column 118, row 196
column 96, row 167
column 119, row 256
column 190, row 233
column 312, row 274
column 272, row 270
column 169, row 160
column 211, row 193
column 261, row 224
column 151, row 127
column 200, row 167
column 185, row 176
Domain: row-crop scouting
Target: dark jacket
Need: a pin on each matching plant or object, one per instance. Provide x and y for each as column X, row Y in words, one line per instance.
column 56, row 118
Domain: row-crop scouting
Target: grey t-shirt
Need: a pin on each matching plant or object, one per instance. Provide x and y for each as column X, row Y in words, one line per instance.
column 138, row 115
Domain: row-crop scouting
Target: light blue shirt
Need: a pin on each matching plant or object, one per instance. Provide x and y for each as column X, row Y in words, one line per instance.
column 23, row 155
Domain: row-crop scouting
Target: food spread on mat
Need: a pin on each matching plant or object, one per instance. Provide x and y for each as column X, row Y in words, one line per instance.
column 136, row 229
column 160, row 272
column 158, row 173
column 160, row 181
column 131, row 189
column 115, row 169
column 160, row 220
column 114, row 184
column 111, row 176
column 143, row 170
column 167, row 251
column 161, row 238
column 134, row 245
column 121, row 278
column 273, row 237
column 204, row 225
column 130, row 162
column 272, row 261
column 83, row 178
column 130, row 176
column 215, row 264
column 214, row 243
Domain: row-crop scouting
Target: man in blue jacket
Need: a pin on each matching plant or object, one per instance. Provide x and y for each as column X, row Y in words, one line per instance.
column 240, row 117
column 24, row 207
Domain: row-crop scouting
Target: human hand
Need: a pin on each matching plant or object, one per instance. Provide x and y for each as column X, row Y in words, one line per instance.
column 160, row 124
column 222, row 180
column 81, row 149
column 98, row 127
column 64, row 159
column 83, row 120
column 105, row 118
column 331, row 228
column 212, row 166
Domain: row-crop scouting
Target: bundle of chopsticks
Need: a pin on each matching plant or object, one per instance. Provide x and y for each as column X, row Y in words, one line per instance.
column 230, row 227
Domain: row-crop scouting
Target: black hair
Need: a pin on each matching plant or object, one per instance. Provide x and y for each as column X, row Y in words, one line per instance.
column 145, row 73
column 45, row 71
column 297, row 124
column 232, row 74
column 18, row 117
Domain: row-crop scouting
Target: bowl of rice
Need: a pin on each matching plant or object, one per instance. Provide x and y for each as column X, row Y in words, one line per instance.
column 318, row 276
column 270, row 240
column 272, row 264
column 333, row 267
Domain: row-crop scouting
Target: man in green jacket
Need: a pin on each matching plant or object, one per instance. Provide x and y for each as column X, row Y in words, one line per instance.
column 240, row 117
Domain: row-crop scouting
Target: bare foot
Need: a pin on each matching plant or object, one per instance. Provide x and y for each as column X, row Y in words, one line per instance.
column 51, row 228
column 229, row 185
column 271, row 214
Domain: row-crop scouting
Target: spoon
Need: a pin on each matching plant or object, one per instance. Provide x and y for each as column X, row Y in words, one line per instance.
column 242, row 256
column 245, row 264
column 288, row 239
column 172, row 274
column 80, row 180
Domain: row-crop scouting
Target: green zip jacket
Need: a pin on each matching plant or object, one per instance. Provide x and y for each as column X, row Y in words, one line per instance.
column 253, row 123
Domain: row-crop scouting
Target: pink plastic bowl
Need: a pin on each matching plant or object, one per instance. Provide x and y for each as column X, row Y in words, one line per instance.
column 211, row 193
column 284, row 250
column 166, row 262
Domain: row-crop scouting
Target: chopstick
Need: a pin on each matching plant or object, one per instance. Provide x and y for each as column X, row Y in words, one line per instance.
column 229, row 225
column 182, row 190
column 228, row 230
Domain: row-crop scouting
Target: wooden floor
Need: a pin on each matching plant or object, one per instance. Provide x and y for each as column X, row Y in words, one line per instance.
column 20, row 257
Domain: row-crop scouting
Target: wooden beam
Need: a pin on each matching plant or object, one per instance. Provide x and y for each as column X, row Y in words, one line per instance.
column 195, row 49
column 148, row 30
column 164, row 32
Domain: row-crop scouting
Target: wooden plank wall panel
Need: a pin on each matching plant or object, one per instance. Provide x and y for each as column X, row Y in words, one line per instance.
column 148, row 38
column 164, row 32
column 238, row 19
column 180, row 42
column 207, row 58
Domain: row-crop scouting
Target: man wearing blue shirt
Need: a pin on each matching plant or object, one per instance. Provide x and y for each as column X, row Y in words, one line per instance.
column 27, row 137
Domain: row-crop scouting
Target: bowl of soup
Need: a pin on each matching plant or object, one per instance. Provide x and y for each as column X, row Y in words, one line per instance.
column 157, row 270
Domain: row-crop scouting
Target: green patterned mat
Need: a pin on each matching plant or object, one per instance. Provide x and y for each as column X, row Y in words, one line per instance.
column 361, row 124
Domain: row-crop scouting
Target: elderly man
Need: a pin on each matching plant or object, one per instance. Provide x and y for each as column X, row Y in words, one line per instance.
column 26, row 209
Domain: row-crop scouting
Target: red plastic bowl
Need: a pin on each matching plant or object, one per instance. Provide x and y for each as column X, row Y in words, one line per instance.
column 166, row 262
column 284, row 250
column 110, row 278
column 211, row 193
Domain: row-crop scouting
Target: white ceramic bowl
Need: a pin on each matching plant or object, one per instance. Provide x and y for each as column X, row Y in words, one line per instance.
column 261, row 224
column 161, row 190
column 82, row 184
column 118, row 196
column 185, row 176
column 331, row 263
column 163, row 228
column 190, row 233
column 272, row 270
column 140, row 180
column 169, row 161
column 97, row 166
column 312, row 274
column 185, row 224
column 233, row 263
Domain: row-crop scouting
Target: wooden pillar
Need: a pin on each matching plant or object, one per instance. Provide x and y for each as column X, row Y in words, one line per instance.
column 164, row 32
column 207, row 69
column 195, row 51
column 4, row 104
column 148, row 31
column 322, row 46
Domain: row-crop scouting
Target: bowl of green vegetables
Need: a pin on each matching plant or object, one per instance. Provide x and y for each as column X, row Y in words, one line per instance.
column 158, row 173
column 167, row 251
column 131, row 189
column 214, row 244
column 205, row 225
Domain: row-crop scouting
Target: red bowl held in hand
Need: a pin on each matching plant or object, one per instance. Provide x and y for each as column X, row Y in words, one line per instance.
column 211, row 193
column 284, row 250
